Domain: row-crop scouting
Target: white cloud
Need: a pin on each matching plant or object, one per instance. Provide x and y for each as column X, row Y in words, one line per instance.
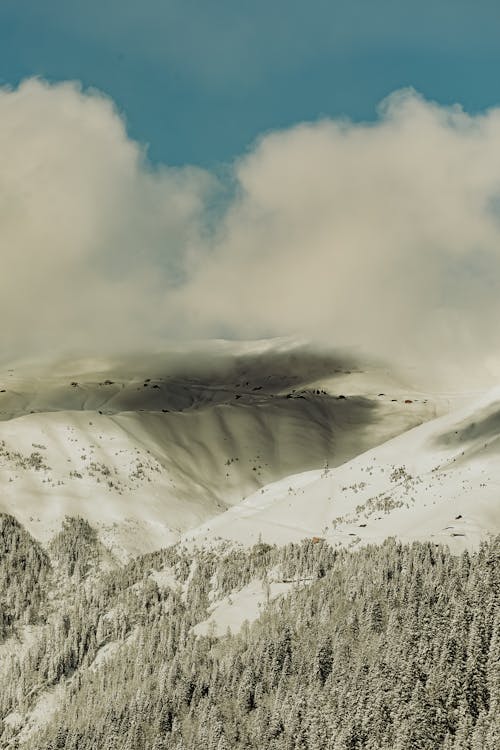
column 90, row 237
column 382, row 235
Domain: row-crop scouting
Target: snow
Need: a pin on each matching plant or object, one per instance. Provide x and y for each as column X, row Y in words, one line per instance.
column 18, row 645
column 42, row 712
column 145, row 456
column 439, row 481
column 165, row 578
column 246, row 604
column 108, row 650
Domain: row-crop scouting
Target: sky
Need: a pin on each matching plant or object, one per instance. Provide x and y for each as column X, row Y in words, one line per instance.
column 199, row 80
column 199, row 169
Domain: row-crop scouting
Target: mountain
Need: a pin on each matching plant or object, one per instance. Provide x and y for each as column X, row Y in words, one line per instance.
column 388, row 646
column 197, row 550
column 147, row 447
column 439, row 481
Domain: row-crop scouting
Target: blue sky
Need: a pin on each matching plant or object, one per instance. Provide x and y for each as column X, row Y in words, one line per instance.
column 200, row 80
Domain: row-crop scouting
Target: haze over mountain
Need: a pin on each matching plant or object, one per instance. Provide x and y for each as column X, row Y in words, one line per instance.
column 380, row 235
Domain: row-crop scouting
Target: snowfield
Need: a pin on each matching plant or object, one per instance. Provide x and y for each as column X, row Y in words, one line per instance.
column 438, row 481
column 147, row 448
column 241, row 440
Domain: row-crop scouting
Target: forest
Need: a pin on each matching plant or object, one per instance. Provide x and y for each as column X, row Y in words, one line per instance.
column 390, row 647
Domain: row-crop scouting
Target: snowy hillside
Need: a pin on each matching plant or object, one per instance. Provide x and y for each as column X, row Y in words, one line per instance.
column 289, row 448
column 149, row 447
column 438, row 481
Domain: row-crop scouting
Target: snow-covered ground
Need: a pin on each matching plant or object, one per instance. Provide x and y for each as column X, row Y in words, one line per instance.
column 439, row 481
column 150, row 447
column 245, row 605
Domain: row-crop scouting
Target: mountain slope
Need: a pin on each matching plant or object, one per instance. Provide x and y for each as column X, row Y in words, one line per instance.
column 146, row 456
column 438, row 481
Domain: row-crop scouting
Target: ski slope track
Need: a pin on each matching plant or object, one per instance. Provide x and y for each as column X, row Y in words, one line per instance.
column 439, row 481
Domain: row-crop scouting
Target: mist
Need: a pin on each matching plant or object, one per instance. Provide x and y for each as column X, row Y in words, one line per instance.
column 383, row 235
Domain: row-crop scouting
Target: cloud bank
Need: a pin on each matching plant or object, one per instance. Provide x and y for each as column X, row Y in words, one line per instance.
column 383, row 235
column 91, row 239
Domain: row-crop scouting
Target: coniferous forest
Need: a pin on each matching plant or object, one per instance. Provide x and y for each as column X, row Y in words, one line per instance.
column 394, row 647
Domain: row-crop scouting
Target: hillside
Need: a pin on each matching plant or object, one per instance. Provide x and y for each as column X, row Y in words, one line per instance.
column 199, row 552
column 147, row 448
column 439, row 481
column 390, row 646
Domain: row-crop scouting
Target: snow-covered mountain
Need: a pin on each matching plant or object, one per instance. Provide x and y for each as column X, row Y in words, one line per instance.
column 278, row 444
column 439, row 481
column 149, row 447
